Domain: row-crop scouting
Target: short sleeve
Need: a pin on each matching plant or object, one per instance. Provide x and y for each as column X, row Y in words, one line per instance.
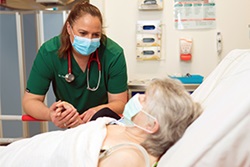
column 117, row 82
column 41, row 73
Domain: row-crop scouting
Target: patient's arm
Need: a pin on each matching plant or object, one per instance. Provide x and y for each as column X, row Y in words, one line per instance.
column 125, row 156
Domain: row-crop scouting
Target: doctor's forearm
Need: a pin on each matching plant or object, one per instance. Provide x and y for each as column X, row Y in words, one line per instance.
column 116, row 102
column 36, row 109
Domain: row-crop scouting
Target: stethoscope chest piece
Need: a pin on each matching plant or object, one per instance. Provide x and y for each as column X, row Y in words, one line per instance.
column 69, row 77
column 93, row 57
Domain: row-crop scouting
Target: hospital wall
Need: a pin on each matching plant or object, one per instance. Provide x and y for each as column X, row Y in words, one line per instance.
column 232, row 20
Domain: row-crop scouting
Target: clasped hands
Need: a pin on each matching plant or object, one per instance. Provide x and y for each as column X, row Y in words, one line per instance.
column 65, row 115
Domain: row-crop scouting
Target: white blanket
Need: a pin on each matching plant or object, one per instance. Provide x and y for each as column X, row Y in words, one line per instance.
column 74, row 147
column 220, row 137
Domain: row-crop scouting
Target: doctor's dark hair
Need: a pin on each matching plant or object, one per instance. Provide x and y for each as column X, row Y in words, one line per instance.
column 173, row 107
column 78, row 10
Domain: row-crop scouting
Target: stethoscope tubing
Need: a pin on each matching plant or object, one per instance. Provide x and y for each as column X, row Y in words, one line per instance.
column 93, row 57
column 69, row 64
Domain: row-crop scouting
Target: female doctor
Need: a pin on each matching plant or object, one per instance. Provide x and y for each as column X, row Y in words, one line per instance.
column 85, row 67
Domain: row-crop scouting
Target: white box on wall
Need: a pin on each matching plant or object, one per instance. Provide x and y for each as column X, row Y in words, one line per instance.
column 148, row 53
column 150, row 4
column 149, row 26
column 148, row 40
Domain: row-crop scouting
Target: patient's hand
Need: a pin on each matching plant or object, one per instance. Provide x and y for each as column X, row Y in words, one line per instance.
column 87, row 115
column 65, row 115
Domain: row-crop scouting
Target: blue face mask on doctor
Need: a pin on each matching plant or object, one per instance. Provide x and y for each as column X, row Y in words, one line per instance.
column 85, row 46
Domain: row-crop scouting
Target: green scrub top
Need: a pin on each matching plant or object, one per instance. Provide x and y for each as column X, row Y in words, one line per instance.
column 48, row 67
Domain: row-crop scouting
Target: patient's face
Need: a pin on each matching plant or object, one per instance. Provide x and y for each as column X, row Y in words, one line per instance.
column 143, row 119
column 141, row 98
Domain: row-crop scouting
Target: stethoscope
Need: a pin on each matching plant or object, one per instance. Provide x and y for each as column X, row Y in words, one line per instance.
column 93, row 57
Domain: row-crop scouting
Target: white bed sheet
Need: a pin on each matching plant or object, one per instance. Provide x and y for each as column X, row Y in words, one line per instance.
column 74, row 147
column 220, row 137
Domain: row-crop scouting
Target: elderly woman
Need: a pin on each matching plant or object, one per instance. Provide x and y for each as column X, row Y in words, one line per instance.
column 152, row 123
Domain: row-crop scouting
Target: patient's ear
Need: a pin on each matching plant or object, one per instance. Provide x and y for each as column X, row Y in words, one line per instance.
column 154, row 127
column 69, row 30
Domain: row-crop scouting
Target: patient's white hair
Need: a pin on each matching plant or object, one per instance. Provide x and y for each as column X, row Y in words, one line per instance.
column 169, row 102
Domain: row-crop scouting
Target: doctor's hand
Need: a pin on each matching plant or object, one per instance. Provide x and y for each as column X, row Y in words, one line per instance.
column 64, row 115
column 87, row 115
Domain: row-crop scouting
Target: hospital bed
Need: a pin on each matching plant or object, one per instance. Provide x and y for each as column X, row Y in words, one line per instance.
column 220, row 137
column 24, row 118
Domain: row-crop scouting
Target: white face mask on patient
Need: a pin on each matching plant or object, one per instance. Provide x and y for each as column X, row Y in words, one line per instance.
column 132, row 108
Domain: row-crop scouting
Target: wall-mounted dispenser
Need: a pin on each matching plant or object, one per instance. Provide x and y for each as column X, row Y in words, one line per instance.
column 150, row 4
column 185, row 49
column 148, row 53
column 148, row 26
column 219, row 43
column 148, row 40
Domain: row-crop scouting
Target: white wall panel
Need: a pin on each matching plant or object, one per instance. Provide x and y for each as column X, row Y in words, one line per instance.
column 233, row 18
